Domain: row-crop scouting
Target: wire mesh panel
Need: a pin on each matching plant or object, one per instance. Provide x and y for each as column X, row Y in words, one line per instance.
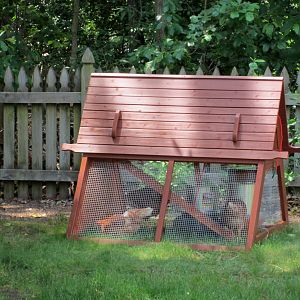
column 270, row 210
column 210, row 203
column 118, row 202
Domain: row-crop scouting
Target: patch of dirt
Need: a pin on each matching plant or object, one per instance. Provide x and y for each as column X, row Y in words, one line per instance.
column 11, row 293
column 37, row 210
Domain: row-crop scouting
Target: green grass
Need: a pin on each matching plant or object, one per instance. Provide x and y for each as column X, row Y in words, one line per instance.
column 37, row 262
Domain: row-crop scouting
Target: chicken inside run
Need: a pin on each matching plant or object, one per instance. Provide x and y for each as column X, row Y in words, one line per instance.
column 223, row 193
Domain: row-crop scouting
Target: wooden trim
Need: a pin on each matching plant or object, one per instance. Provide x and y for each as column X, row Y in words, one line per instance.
column 78, row 197
column 164, row 202
column 258, row 189
column 38, row 175
column 175, row 158
column 40, row 97
column 262, row 235
column 282, row 115
column 269, row 164
column 115, row 124
column 128, row 75
column 237, row 120
column 282, row 190
column 169, row 152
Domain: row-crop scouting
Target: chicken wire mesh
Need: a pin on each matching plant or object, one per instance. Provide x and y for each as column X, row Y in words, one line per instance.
column 117, row 202
column 222, row 193
column 270, row 210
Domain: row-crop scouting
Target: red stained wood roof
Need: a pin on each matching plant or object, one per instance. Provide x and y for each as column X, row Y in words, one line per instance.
column 181, row 116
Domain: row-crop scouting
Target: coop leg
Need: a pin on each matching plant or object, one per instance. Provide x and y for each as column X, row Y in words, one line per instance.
column 282, row 191
column 164, row 202
column 72, row 230
column 259, row 184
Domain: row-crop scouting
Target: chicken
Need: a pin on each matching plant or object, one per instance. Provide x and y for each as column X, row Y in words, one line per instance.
column 128, row 222
column 235, row 216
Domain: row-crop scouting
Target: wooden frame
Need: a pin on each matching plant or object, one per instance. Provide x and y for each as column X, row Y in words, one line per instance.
column 125, row 118
column 72, row 231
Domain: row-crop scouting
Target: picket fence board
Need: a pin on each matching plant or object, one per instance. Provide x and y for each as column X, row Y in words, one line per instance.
column 40, row 114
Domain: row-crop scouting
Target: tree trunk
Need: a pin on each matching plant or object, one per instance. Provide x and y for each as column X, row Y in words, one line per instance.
column 159, row 4
column 75, row 20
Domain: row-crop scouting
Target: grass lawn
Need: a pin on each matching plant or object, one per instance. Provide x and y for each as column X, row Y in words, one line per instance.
column 37, row 262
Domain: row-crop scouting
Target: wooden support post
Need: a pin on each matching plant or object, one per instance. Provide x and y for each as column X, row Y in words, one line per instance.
column 164, row 202
column 72, row 230
column 282, row 190
column 258, row 189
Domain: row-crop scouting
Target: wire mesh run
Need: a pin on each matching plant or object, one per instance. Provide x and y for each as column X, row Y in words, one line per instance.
column 220, row 199
column 270, row 210
column 118, row 203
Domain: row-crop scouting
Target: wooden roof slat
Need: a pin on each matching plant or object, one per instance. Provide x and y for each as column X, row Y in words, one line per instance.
column 239, row 103
column 221, row 127
column 181, row 110
column 178, row 143
column 164, row 93
column 246, row 119
column 228, row 84
column 212, row 135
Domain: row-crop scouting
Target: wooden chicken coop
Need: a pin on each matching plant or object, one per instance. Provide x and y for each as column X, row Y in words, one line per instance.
column 196, row 160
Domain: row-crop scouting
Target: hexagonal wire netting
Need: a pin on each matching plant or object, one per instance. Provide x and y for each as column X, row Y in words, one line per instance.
column 270, row 210
column 122, row 201
column 222, row 192
column 118, row 204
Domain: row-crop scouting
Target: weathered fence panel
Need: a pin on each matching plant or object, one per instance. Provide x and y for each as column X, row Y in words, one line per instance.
column 38, row 118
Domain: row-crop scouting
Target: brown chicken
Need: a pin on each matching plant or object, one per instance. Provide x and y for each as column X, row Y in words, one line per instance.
column 129, row 222
column 235, row 216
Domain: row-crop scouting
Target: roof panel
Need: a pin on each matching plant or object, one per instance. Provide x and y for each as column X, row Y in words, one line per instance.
column 180, row 115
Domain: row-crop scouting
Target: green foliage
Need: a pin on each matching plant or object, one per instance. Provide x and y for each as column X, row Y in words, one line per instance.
column 167, row 52
column 126, row 33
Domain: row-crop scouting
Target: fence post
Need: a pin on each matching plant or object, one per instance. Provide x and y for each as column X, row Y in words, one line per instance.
column 87, row 69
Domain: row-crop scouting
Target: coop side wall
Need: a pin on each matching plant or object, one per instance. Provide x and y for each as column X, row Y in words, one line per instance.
column 120, row 201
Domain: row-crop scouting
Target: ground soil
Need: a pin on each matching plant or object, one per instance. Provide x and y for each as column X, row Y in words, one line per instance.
column 37, row 210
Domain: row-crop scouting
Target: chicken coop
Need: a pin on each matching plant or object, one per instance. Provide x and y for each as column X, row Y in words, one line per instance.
column 196, row 160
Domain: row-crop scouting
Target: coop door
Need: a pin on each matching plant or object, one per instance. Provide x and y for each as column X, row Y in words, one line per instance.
column 215, row 205
column 119, row 201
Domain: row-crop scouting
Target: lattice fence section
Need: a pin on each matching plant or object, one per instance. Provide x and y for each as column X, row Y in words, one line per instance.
column 270, row 211
column 221, row 193
column 118, row 203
